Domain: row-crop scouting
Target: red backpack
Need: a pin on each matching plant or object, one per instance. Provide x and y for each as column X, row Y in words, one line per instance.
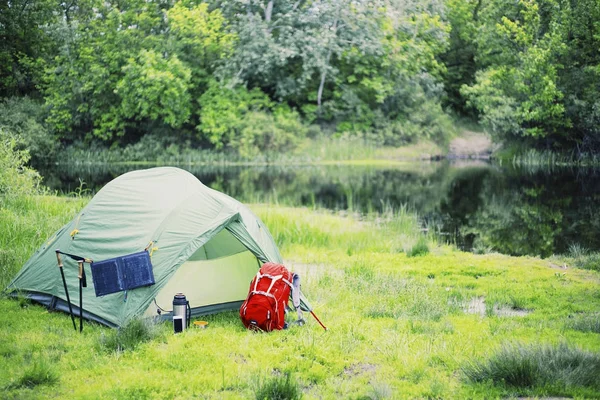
column 264, row 308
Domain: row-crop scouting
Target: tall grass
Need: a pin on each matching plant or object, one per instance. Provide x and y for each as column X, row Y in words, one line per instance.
column 40, row 372
column 25, row 222
column 156, row 150
column 130, row 336
column 543, row 366
column 281, row 387
column 322, row 229
column 548, row 160
column 585, row 323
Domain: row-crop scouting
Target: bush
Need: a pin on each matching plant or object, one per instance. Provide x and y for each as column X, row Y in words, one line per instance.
column 589, row 261
column 553, row 367
column 266, row 133
column 22, row 120
column 279, row 388
column 247, row 121
column 16, row 179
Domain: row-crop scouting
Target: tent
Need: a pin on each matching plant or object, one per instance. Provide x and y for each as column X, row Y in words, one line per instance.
column 201, row 242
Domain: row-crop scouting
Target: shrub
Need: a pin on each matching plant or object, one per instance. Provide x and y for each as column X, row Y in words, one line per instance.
column 16, row 178
column 553, row 367
column 22, row 120
column 281, row 387
column 247, row 121
column 588, row 261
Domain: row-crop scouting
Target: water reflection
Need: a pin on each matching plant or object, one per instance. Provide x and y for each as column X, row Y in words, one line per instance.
column 476, row 205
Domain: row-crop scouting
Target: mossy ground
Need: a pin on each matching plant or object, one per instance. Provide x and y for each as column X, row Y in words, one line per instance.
column 399, row 326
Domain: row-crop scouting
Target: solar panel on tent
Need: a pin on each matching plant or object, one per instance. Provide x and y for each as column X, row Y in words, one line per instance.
column 122, row 273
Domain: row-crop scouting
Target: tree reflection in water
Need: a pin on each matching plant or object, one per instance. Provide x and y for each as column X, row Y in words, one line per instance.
column 477, row 206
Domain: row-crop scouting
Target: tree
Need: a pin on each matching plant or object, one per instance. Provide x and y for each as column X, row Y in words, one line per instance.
column 131, row 66
column 25, row 44
column 538, row 79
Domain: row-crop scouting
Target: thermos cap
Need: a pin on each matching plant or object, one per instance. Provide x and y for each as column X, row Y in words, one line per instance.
column 179, row 299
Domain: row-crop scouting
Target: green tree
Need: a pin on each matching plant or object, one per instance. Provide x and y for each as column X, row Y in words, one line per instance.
column 155, row 88
column 538, row 79
column 134, row 66
column 25, row 44
column 247, row 121
column 459, row 58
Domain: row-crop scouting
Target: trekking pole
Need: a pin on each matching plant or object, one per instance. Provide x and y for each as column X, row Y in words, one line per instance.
column 319, row 321
column 82, row 284
column 62, row 274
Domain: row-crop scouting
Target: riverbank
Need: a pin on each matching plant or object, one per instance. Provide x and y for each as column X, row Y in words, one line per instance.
column 407, row 318
column 311, row 151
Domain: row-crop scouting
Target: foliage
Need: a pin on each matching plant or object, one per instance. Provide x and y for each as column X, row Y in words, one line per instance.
column 26, row 43
column 156, row 89
column 389, row 71
column 23, row 119
column 546, row 366
column 536, row 72
column 116, row 82
column 16, row 179
column 247, row 121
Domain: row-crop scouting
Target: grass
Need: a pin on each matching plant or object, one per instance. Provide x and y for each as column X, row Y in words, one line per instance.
column 130, row 336
column 546, row 160
column 553, row 367
column 346, row 150
column 40, row 372
column 585, row 323
column 279, row 387
column 25, row 222
column 398, row 326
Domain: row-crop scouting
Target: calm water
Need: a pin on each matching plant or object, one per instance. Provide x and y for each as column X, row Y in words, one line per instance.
column 478, row 206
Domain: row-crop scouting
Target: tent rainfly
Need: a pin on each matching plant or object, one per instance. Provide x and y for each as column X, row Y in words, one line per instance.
column 204, row 244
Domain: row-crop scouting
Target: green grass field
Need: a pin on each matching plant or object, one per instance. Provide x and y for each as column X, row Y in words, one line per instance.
column 407, row 317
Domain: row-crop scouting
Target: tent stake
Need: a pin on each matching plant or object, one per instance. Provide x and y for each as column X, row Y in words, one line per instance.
column 62, row 274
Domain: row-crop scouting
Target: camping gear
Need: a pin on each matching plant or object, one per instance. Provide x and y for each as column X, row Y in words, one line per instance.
column 122, row 273
column 200, row 324
column 82, row 284
column 206, row 245
column 62, row 274
column 181, row 313
column 264, row 308
column 318, row 320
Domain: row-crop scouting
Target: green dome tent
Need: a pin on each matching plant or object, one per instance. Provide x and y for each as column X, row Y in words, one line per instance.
column 202, row 242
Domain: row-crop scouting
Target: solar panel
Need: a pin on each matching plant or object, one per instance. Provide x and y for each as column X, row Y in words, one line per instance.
column 122, row 273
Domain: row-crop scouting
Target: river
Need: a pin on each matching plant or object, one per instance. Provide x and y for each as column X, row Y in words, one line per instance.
column 478, row 206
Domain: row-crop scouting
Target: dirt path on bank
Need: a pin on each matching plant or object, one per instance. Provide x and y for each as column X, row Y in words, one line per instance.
column 471, row 145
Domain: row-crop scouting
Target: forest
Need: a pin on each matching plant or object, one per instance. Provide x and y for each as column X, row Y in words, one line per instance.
column 249, row 76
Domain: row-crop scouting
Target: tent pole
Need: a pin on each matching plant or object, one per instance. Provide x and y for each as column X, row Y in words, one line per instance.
column 62, row 274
